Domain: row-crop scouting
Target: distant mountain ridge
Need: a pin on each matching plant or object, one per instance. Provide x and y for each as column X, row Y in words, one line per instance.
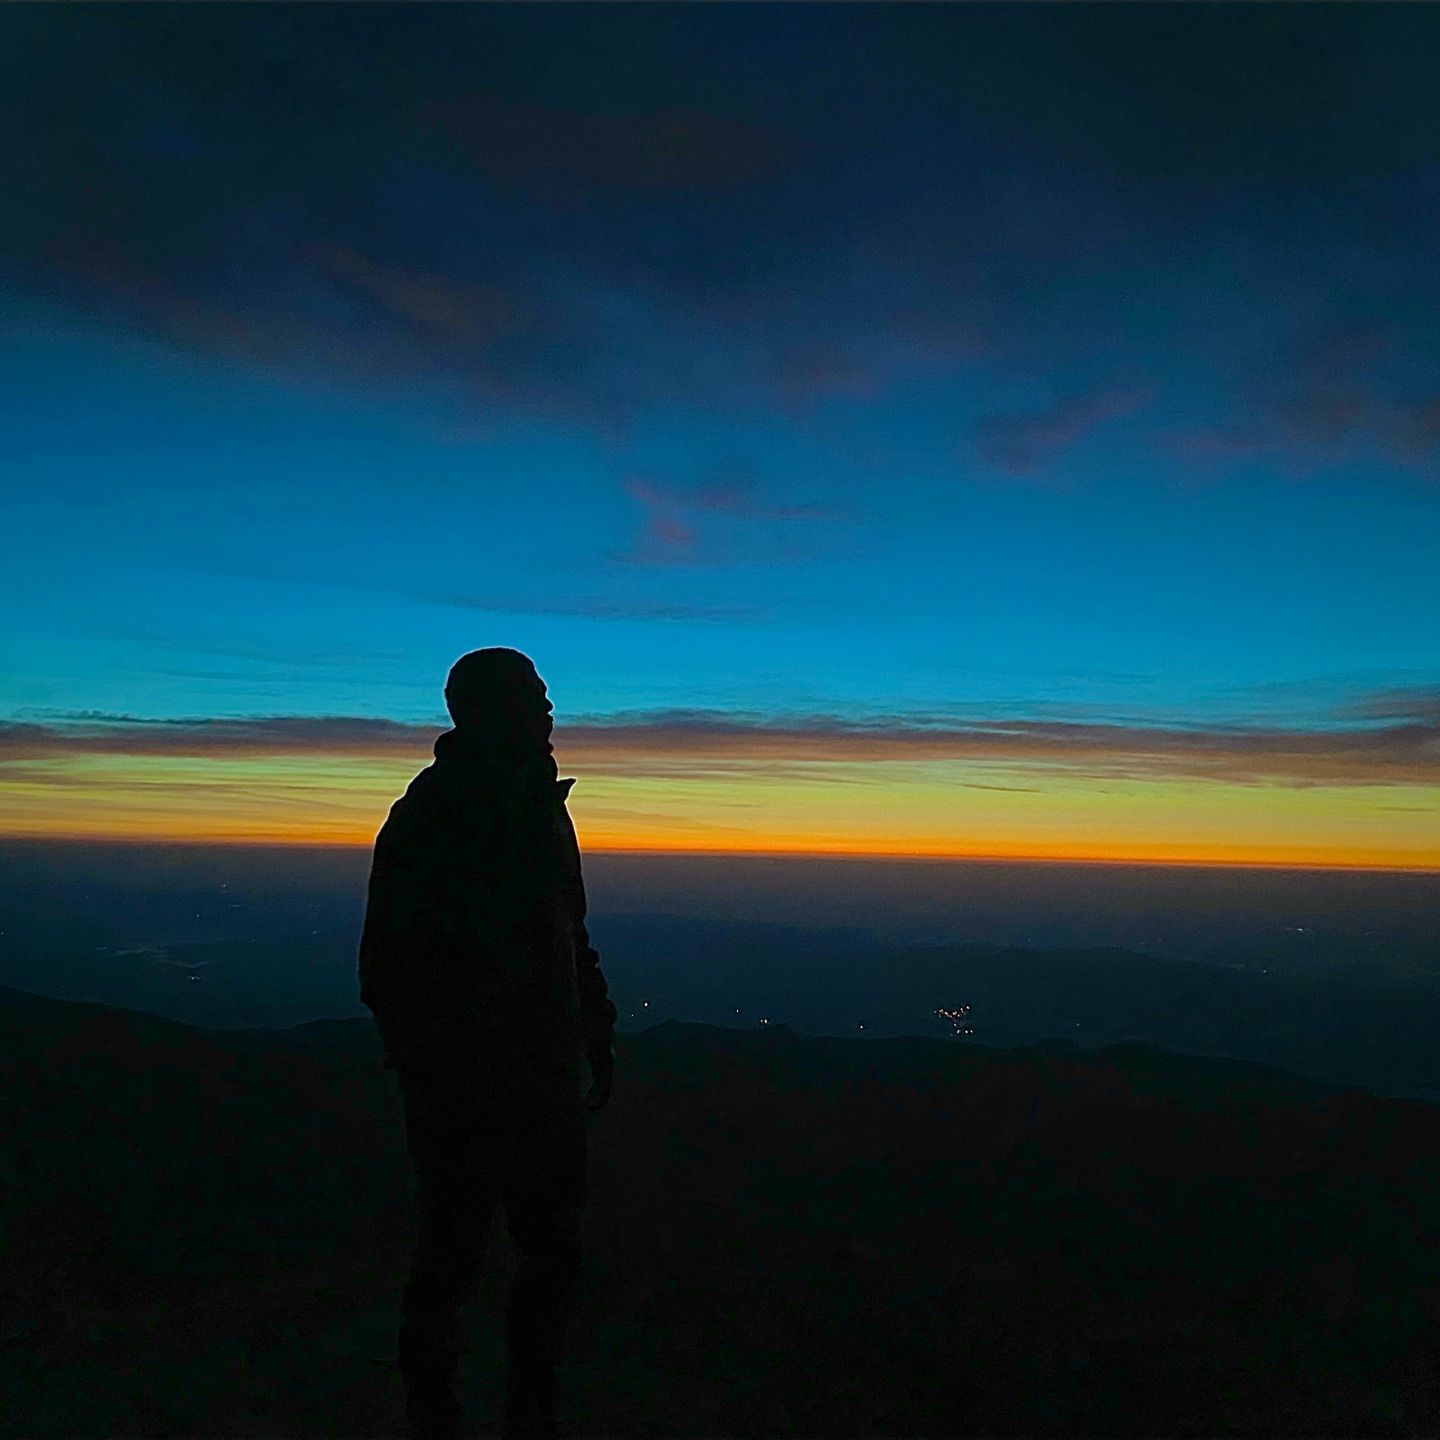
column 1376, row 1029
column 789, row 1235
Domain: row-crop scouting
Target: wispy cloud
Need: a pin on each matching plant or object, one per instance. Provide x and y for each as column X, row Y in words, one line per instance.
column 1328, row 396
column 736, row 491
column 1223, row 442
column 1311, row 423
column 1309, row 428
column 440, row 308
column 864, row 352
column 1416, row 435
column 1397, row 743
column 822, row 369
column 600, row 608
column 578, row 607
column 271, row 650
column 1404, row 753
column 1418, row 704
column 667, row 538
column 98, row 733
column 673, row 517
column 1022, row 444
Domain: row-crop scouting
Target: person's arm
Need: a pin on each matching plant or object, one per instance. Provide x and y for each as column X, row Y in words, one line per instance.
column 398, row 941
column 597, row 1010
column 598, row 1014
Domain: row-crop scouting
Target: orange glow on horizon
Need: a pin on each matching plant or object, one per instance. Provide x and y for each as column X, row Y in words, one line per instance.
column 1308, row 858
column 891, row 811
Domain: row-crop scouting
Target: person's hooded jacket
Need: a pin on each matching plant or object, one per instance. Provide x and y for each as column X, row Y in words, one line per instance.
column 475, row 917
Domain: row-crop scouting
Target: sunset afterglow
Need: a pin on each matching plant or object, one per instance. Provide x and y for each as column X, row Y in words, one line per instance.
column 733, row 799
column 969, row 445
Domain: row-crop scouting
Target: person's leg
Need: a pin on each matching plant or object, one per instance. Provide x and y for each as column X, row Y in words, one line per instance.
column 456, row 1189
column 543, row 1195
column 543, row 1292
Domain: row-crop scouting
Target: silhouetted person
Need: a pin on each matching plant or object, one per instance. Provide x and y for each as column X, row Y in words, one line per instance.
column 489, row 999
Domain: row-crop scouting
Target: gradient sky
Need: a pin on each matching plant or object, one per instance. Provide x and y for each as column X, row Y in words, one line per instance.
column 910, row 429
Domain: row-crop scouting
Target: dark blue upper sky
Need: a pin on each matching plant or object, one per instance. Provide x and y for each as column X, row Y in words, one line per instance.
column 904, row 359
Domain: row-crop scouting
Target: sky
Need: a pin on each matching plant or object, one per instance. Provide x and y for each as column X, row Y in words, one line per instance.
column 966, row 430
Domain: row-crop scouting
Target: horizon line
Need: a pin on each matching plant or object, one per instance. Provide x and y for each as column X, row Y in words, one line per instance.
column 719, row 853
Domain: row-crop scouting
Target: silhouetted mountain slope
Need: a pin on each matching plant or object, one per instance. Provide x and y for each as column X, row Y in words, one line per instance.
column 789, row 1235
column 1382, row 1037
column 1370, row 1026
column 1329, row 1024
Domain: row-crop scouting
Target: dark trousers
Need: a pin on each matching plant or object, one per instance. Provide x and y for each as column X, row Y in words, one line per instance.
column 507, row 1129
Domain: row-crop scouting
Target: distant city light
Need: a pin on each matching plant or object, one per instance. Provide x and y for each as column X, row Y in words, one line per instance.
column 958, row 1018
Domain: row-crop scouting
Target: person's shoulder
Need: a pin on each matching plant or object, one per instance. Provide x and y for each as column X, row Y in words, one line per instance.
column 418, row 800
column 428, row 784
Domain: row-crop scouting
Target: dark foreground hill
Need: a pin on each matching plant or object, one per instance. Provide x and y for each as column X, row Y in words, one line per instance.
column 1343, row 1016
column 790, row 1235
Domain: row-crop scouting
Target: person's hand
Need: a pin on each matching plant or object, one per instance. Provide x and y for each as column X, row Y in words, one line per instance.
column 602, row 1068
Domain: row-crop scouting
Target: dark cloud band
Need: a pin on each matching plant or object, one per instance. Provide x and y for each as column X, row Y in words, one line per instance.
column 1399, row 745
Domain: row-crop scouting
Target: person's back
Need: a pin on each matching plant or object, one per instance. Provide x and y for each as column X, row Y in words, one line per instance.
column 489, row 998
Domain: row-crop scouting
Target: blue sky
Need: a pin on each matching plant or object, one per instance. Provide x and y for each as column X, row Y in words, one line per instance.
column 916, row 364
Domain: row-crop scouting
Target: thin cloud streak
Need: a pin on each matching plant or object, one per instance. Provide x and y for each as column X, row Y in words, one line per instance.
column 596, row 608
column 579, row 607
column 671, row 533
column 1399, row 746
column 1023, row 444
column 93, row 733
column 1324, row 400
column 1419, row 704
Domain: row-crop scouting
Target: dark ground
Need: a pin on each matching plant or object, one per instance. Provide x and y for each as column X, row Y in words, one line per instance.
column 789, row 1235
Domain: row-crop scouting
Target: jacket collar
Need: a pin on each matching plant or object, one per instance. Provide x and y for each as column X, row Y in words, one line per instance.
column 477, row 759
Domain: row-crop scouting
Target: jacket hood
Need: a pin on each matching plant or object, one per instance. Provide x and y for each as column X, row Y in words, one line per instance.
column 479, row 758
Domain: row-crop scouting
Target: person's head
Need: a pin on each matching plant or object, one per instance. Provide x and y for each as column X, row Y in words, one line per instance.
column 498, row 691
